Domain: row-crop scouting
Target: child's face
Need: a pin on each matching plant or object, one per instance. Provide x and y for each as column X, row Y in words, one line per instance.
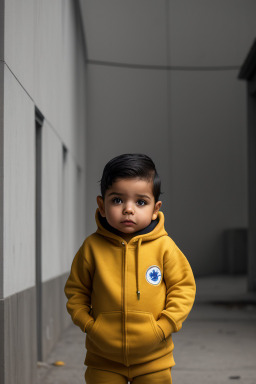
column 129, row 205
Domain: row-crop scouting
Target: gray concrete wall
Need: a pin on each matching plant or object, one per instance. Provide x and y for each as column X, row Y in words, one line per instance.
column 209, row 189
column 43, row 65
column 55, row 318
column 163, row 80
column 127, row 112
column 19, row 341
column 19, row 187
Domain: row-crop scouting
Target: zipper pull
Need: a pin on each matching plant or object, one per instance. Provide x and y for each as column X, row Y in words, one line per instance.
column 138, row 295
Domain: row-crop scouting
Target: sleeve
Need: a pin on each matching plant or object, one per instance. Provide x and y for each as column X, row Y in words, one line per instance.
column 180, row 291
column 78, row 290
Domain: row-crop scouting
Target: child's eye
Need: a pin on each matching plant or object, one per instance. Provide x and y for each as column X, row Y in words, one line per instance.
column 141, row 202
column 117, row 200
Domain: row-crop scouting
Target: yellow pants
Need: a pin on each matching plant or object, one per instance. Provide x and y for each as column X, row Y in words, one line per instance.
column 97, row 376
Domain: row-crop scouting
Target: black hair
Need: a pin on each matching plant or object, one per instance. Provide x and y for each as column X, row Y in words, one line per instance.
column 128, row 166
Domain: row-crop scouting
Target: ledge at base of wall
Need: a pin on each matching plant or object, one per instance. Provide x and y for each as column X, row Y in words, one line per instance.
column 18, row 329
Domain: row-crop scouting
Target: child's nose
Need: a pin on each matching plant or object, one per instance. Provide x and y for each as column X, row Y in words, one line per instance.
column 128, row 209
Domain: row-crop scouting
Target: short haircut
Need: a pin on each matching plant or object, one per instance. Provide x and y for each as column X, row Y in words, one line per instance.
column 129, row 166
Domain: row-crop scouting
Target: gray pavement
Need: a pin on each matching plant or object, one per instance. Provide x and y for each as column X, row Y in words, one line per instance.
column 216, row 345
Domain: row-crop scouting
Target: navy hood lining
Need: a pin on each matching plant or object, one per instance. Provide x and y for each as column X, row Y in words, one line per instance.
column 143, row 231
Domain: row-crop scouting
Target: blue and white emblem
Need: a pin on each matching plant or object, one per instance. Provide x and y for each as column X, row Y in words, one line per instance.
column 153, row 275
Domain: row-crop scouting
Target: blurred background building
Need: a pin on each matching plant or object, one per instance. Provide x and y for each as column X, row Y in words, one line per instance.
column 83, row 81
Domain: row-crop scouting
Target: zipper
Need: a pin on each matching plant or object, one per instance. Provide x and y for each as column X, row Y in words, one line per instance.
column 124, row 305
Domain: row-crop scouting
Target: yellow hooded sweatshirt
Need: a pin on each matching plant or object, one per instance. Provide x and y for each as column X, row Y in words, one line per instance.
column 130, row 297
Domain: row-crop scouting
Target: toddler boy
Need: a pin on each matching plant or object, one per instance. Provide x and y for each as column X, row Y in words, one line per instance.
column 130, row 286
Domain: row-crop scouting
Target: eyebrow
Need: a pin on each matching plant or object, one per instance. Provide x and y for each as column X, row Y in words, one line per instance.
column 122, row 194
column 145, row 196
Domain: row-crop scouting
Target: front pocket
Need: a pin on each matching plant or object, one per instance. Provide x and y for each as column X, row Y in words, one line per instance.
column 143, row 335
column 106, row 333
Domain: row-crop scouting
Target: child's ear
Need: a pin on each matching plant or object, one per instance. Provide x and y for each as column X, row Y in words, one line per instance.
column 100, row 203
column 156, row 210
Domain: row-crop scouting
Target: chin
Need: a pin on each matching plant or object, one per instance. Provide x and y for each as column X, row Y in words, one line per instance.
column 128, row 232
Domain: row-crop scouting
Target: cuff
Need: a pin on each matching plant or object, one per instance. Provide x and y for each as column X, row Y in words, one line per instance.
column 166, row 326
column 89, row 326
column 83, row 320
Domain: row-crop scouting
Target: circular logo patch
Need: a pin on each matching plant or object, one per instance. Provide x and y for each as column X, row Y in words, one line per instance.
column 153, row 275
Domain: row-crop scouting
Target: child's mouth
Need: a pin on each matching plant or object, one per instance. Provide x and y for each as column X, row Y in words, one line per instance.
column 128, row 222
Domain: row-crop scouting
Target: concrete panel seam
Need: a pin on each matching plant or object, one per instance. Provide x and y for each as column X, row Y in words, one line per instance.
column 165, row 67
column 78, row 10
column 16, row 78
column 48, row 122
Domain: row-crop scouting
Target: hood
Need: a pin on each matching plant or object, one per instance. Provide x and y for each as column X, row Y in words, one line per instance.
column 157, row 231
